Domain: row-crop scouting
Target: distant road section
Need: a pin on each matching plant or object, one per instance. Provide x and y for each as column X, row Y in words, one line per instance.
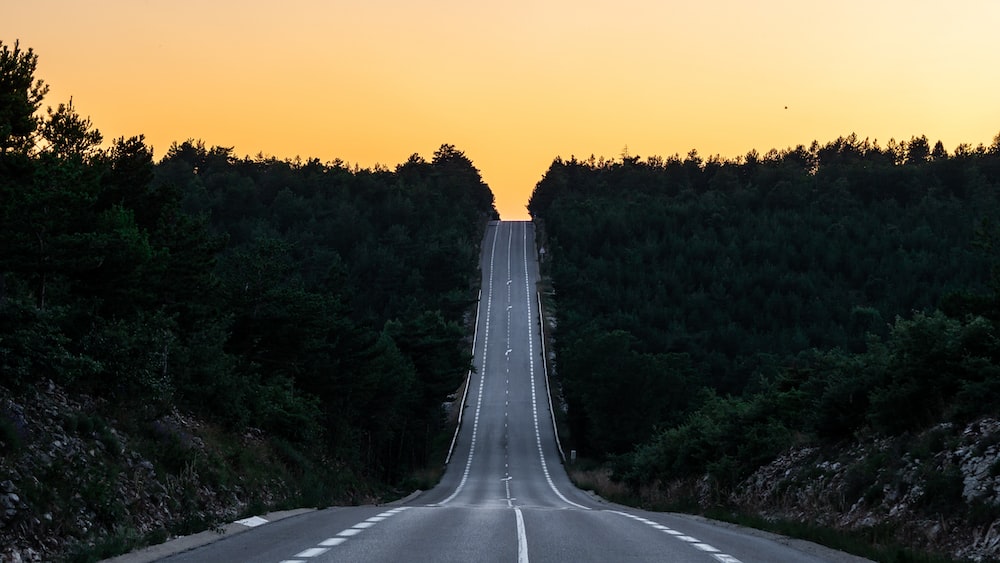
column 505, row 495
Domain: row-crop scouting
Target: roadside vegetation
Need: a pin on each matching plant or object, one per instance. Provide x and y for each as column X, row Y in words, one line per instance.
column 315, row 308
column 714, row 314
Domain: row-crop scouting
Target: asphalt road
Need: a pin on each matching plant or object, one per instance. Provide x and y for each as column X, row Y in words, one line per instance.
column 505, row 495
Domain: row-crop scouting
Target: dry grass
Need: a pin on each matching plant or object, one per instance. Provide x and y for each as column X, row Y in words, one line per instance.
column 456, row 405
column 677, row 496
column 424, row 479
column 599, row 481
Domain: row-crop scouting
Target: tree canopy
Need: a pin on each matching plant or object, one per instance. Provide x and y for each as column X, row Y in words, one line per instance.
column 320, row 303
column 797, row 290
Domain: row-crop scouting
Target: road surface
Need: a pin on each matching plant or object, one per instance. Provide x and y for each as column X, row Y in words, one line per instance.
column 505, row 495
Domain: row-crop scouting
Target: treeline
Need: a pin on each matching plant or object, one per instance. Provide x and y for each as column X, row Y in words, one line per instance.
column 714, row 312
column 319, row 303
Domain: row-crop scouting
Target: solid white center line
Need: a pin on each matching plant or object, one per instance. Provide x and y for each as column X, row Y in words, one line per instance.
column 522, row 538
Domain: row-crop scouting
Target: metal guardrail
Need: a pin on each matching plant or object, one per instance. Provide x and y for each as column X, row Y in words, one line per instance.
column 468, row 377
column 545, row 368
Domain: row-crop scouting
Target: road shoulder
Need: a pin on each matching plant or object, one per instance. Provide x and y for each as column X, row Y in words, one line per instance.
column 187, row 543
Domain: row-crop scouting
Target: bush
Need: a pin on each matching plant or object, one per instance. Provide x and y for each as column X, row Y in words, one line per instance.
column 93, row 426
column 134, row 356
column 121, row 540
column 10, row 435
column 33, row 346
column 728, row 438
column 936, row 365
column 862, row 479
column 942, row 491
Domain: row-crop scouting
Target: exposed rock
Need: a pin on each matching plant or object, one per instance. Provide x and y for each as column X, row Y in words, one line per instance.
column 73, row 477
column 945, row 497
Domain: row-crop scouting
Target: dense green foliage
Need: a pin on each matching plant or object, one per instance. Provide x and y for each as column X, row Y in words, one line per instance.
column 714, row 312
column 319, row 303
column 347, row 286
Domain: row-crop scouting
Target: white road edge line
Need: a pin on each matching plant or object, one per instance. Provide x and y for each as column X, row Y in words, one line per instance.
column 545, row 371
column 522, row 538
column 531, row 368
column 343, row 536
column 330, row 542
column 312, row 552
column 468, row 380
column 482, row 376
column 698, row 544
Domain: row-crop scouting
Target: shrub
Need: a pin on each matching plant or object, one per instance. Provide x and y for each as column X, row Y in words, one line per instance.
column 727, row 437
column 10, row 435
column 134, row 354
column 937, row 367
column 942, row 491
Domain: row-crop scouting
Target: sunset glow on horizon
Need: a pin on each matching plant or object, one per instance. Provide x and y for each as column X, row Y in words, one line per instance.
column 516, row 84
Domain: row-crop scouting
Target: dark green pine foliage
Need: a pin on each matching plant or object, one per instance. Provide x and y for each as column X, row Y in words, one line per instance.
column 321, row 303
column 346, row 289
column 800, row 286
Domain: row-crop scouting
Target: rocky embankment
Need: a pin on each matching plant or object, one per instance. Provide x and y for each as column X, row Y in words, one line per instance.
column 73, row 482
column 937, row 491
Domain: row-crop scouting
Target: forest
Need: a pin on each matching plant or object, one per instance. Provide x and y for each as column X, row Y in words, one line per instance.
column 714, row 312
column 711, row 313
column 320, row 304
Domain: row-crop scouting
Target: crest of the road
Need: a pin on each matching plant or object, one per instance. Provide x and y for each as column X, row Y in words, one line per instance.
column 505, row 494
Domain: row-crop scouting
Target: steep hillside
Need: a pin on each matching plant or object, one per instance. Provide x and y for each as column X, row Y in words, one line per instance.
column 936, row 491
column 81, row 485
column 176, row 336
column 714, row 315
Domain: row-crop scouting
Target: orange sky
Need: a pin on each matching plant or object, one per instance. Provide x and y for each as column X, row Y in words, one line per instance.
column 514, row 84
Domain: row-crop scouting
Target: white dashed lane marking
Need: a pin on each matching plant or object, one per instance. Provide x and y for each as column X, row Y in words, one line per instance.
column 325, row 546
column 342, row 536
column 313, row 552
column 332, row 542
column 696, row 543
